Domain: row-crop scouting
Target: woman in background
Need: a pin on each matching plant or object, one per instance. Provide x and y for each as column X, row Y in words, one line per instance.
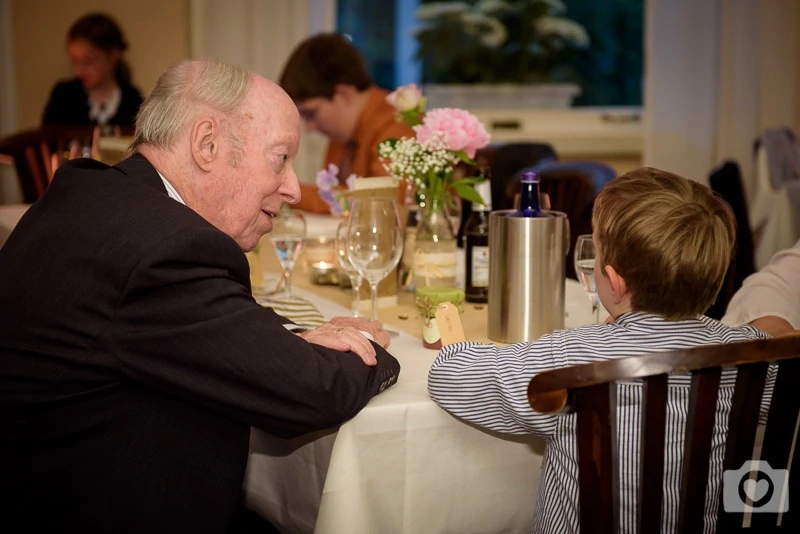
column 101, row 92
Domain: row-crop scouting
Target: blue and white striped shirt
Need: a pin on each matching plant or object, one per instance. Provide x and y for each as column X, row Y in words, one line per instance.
column 487, row 385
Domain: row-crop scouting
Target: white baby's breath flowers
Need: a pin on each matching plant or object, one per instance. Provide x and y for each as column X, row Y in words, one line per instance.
column 411, row 160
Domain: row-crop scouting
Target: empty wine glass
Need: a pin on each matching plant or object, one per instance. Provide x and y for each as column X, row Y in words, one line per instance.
column 287, row 236
column 374, row 241
column 584, row 267
column 347, row 267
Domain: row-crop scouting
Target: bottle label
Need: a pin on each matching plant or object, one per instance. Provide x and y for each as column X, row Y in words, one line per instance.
column 480, row 266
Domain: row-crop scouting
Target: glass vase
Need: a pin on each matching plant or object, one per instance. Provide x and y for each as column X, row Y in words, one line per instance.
column 435, row 247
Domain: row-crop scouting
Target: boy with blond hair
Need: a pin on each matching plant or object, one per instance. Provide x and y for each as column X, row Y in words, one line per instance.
column 663, row 245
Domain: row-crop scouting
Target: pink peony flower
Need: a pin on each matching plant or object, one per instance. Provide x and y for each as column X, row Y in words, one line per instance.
column 461, row 130
column 405, row 98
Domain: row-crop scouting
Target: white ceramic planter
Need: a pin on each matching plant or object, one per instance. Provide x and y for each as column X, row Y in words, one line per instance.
column 501, row 96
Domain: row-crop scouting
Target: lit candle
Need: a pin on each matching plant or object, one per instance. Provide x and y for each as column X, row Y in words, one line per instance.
column 323, row 272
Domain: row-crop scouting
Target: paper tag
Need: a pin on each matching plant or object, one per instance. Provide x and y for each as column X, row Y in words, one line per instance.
column 449, row 320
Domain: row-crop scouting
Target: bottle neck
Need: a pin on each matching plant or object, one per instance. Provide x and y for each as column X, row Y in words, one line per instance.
column 529, row 197
column 481, row 208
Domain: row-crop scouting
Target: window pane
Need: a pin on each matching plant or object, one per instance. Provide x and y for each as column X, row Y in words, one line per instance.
column 609, row 70
column 371, row 25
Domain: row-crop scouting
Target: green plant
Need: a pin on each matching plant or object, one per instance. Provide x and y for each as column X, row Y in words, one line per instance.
column 497, row 41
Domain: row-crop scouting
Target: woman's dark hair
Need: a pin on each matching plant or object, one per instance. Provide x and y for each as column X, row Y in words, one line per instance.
column 103, row 33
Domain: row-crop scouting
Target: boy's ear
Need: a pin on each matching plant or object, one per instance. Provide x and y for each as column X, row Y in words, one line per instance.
column 618, row 286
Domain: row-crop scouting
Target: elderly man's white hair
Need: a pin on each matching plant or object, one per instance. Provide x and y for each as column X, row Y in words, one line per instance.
column 185, row 89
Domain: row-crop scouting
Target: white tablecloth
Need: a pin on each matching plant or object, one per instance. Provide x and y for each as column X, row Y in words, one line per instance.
column 402, row 465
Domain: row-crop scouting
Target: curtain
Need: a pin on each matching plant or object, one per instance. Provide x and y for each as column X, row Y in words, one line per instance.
column 717, row 73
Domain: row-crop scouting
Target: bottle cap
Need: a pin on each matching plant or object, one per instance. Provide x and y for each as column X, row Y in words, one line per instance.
column 530, row 176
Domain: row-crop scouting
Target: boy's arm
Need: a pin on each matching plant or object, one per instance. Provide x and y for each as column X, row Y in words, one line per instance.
column 487, row 385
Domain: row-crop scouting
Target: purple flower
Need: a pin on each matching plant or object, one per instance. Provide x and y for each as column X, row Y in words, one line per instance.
column 328, row 179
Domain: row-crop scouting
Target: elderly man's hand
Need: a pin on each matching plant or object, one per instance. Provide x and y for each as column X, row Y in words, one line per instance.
column 344, row 334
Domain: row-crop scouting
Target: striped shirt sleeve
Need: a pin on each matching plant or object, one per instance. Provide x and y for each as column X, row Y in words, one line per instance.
column 487, row 385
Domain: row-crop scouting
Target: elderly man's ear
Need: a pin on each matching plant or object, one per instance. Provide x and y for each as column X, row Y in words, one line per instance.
column 205, row 142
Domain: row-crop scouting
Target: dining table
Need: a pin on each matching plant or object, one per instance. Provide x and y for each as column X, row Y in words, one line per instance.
column 402, row 464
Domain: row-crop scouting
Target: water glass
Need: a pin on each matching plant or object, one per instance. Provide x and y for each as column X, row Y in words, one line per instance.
column 287, row 237
column 585, row 254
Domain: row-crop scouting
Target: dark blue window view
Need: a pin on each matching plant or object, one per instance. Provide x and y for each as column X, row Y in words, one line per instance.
column 597, row 44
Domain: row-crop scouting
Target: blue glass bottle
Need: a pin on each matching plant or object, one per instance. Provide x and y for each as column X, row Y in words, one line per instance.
column 529, row 197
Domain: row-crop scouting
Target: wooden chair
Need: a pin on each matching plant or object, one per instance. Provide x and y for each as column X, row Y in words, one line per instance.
column 31, row 150
column 589, row 391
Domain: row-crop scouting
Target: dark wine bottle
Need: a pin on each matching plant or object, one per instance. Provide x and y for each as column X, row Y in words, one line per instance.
column 529, row 197
column 476, row 246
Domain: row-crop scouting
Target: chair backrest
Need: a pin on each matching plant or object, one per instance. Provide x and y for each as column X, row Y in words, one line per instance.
column 31, row 150
column 726, row 181
column 510, row 158
column 600, row 173
column 571, row 191
column 589, row 391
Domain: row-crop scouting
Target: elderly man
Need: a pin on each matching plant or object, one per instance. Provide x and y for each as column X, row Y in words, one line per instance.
column 133, row 359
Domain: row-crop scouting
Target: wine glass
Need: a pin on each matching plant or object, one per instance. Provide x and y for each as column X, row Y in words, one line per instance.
column 346, row 266
column 584, row 267
column 374, row 241
column 287, row 237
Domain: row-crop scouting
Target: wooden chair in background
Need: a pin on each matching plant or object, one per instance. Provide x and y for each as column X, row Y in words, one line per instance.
column 31, row 151
column 589, row 391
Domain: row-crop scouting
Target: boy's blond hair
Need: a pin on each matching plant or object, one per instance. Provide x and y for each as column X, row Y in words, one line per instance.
column 669, row 238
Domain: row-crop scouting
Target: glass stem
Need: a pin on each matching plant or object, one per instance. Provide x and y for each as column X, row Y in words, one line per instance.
column 595, row 307
column 355, row 282
column 287, row 274
column 374, row 287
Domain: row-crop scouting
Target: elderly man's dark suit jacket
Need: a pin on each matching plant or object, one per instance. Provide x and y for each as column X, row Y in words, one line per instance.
column 133, row 362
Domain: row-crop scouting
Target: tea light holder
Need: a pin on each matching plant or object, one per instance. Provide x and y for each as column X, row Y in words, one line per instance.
column 324, row 273
column 321, row 260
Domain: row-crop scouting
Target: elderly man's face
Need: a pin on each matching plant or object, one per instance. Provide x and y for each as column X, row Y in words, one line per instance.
column 259, row 174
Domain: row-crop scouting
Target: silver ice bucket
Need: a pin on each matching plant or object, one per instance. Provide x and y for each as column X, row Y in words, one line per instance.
column 526, row 275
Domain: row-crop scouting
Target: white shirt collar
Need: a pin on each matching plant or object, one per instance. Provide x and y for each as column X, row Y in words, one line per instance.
column 171, row 191
column 103, row 111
